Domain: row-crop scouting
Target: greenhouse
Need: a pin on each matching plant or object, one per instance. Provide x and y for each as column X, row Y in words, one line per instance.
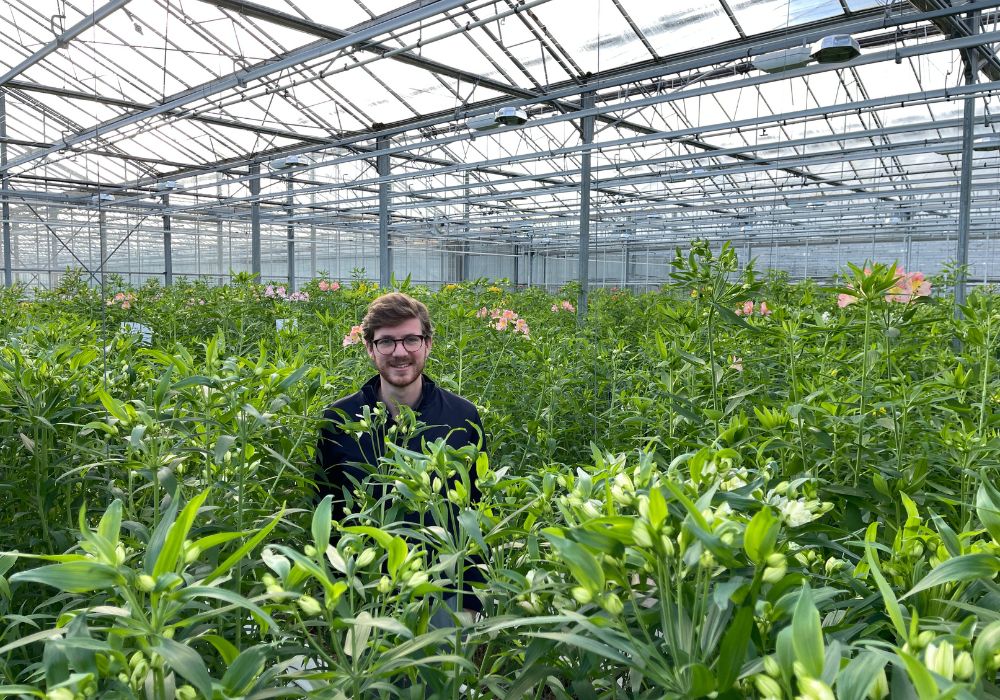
column 705, row 295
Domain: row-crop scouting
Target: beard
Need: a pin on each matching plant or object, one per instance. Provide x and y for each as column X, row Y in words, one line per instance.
column 401, row 373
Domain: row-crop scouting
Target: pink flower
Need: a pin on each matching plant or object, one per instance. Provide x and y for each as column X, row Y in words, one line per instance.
column 845, row 300
column 483, row 313
column 508, row 315
column 501, row 324
column 736, row 362
column 764, row 311
column 747, row 308
column 280, row 291
column 495, row 313
column 324, row 286
column 521, row 326
column 334, row 286
column 555, row 308
column 269, row 291
column 201, row 302
column 126, row 304
column 567, row 306
column 354, row 337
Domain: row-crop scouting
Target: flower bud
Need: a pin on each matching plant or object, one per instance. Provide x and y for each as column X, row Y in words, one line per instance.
column 185, row 692
column 612, row 603
column 924, row 638
column 191, row 552
column 774, row 574
column 640, row 533
column 815, row 689
column 309, row 550
column 771, row 667
column 964, row 666
column 581, row 595
column 384, row 585
column 366, row 557
column 63, row 693
column 417, row 578
column 880, row 688
column 146, row 582
column 767, row 686
column 776, row 559
column 120, row 554
column 309, row 605
column 941, row 659
column 668, row 545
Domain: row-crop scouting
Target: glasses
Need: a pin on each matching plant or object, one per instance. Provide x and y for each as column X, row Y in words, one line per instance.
column 387, row 346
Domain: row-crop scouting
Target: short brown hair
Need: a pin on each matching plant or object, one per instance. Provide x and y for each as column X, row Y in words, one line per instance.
column 392, row 309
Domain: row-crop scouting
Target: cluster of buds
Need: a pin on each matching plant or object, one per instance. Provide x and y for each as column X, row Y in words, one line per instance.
column 563, row 306
column 325, row 286
column 194, row 302
column 747, row 309
column 504, row 319
column 355, row 336
column 122, row 299
column 908, row 286
column 530, row 601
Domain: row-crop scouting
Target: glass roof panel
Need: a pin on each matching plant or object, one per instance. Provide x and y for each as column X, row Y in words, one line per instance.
column 757, row 16
column 594, row 33
column 681, row 26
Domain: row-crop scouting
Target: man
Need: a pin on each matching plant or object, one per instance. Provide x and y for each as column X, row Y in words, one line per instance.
column 398, row 336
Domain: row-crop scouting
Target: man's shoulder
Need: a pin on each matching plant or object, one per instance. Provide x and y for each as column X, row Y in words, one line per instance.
column 455, row 402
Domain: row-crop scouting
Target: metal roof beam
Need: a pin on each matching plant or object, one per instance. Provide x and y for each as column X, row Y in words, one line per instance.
column 63, row 39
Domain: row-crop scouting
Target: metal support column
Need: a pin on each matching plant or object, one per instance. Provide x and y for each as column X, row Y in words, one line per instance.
column 290, row 204
column 971, row 60
column 255, row 220
column 168, row 260
column 102, row 240
column 8, row 270
column 312, row 239
column 587, row 130
column 384, row 251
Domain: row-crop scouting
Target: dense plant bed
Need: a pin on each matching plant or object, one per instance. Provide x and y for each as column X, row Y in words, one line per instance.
column 727, row 488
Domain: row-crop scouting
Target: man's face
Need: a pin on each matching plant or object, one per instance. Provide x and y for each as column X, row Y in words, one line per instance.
column 401, row 367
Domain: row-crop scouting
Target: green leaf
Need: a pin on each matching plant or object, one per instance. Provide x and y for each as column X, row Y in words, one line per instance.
column 807, row 633
column 6, row 690
column 586, row 644
column 225, row 595
column 761, row 535
column 582, row 564
column 321, row 521
column 854, row 682
column 247, row 546
column 222, row 446
column 111, row 522
column 113, row 406
column 968, row 567
column 383, row 538
column 159, row 535
column 987, row 644
column 988, row 508
column 397, row 555
column 170, row 555
column 72, row 576
column 891, row 604
column 657, row 508
column 226, row 649
column 243, row 671
column 186, row 662
column 922, row 679
column 733, row 650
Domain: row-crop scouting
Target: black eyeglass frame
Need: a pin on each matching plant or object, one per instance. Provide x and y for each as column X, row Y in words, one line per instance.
column 396, row 341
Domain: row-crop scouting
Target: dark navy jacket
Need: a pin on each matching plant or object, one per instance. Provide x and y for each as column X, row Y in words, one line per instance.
column 340, row 454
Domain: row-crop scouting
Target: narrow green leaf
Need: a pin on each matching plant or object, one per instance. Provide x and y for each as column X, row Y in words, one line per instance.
column 113, row 406
column 807, row 633
column 170, row 555
column 321, row 522
column 657, row 508
column 581, row 563
column 585, row 644
column 761, row 535
column 987, row 644
column 243, row 671
column 383, row 538
column 111, row 522
column 71, row 576
column 397, row 555
column 226, row 649
column 968, row 567
column 733, row 650
column 854, row 682
column 227, row 596
column 7, row 690
column 186, row 662
column 159, row 535
column 891, row 604
column 921, row 678
column 247, row 546
column 988, row 508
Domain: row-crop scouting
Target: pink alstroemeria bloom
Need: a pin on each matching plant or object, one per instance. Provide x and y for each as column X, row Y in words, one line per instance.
column 269, row 291
column 324, row 286
column 736, row 362
column 354, row 337
column 509, row 315
column 521, row 326
column 483, row 313
column 845, row 300
column 335, row 286
column 764, row 311
column 555, row 308
column 501, row 324
column 568, row 306
column 748, row 308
